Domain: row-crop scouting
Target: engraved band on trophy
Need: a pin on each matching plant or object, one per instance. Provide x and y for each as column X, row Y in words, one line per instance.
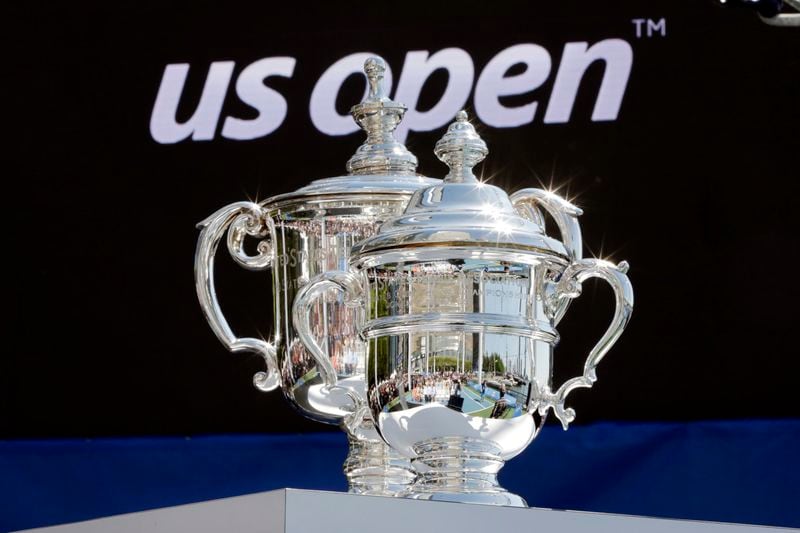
column 457, row 300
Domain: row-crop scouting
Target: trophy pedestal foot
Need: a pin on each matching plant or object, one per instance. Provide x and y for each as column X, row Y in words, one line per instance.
column 459, row 469
column 503, row 497
column 374, row 469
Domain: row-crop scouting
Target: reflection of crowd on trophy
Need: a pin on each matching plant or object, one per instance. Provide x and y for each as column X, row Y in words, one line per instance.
column 339, row 337
column 386, row 392
column 444, row 388
column 437, row 387
column 297, row 364
column 353, row 227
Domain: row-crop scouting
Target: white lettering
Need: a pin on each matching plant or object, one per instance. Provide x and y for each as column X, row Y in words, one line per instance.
column 323, row 98
column 164, row 127
column 493, row 83
column 618, row 57
column 417, row 68
column 638, row 23
column 659, row 26
column 269, row 103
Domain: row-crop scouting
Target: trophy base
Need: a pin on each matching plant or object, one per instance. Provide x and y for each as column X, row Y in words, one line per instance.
column 460, row 469
column 503, row 497
column 374, row 469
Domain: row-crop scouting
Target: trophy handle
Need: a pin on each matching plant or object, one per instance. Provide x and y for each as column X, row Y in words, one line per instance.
column 568, row 287
column 347, row 282
column 240, row 220
column 527, row 202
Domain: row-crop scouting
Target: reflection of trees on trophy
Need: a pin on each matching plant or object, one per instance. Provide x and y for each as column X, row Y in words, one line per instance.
column 493, row 364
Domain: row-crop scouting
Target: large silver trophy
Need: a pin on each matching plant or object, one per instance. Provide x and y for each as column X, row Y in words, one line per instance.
column 457, row 300
column 304, row 233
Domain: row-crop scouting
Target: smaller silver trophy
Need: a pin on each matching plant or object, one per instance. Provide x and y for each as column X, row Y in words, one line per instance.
column 457, row 300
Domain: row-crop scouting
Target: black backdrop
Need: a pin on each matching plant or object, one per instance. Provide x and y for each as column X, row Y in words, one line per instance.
column 694, row 183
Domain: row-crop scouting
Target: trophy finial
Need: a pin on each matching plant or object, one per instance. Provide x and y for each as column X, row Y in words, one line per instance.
column 374, row 67
column 461, row 148
column 378, row 115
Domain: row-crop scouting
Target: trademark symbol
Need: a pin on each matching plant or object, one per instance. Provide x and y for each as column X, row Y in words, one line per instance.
column 649, row 27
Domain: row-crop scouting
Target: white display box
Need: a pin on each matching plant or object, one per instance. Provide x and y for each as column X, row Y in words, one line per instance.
column 307, row 511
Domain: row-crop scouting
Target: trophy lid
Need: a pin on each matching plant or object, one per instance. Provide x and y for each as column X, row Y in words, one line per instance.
column 381, row 164
column 462, row 210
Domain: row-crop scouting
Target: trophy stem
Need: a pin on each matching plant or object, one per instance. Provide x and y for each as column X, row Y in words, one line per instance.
column 460, row 469
column 373, row 468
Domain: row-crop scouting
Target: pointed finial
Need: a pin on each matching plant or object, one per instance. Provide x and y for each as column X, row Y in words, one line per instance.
column 378, row 115
column 461, row 148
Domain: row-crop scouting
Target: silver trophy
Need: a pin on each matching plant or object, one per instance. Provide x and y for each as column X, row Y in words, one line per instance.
column 457, row 300
column 302, row 234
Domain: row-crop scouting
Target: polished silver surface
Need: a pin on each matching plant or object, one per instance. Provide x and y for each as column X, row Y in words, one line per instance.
column 463, row 211
column 379, row 116
column 305, row 233
column 457, row 300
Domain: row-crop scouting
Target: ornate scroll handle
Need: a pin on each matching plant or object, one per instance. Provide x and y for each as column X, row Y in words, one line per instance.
column 347, row 282
column 527, row 201
column 240, row 220
column 569, row 286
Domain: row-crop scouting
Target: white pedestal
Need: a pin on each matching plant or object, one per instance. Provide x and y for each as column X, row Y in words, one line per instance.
column 306, row 511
